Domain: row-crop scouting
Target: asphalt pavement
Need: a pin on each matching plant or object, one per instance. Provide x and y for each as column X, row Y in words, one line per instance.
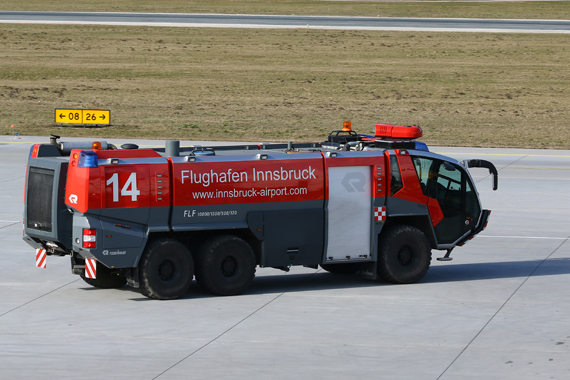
column 499, row 310
column 289, row 21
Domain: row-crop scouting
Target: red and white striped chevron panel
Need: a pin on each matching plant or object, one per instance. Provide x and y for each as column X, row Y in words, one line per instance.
column 90, row 268
column 41, row 258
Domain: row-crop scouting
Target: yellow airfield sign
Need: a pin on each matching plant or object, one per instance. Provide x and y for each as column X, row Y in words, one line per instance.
column 78, row 116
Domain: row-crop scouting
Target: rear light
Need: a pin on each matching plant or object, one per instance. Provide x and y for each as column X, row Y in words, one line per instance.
column 88, row 159
column 89, row 238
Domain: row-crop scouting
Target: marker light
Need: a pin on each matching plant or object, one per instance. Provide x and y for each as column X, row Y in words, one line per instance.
column 34, row 151
column 421, row 146
column 88, row 159
column 89, row 238
column 347, row 126
column 96, row 145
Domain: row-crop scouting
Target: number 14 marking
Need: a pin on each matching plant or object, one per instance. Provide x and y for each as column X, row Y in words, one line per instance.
column 129, row 189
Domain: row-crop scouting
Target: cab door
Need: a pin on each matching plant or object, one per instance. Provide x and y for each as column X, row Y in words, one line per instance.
column 451, row 186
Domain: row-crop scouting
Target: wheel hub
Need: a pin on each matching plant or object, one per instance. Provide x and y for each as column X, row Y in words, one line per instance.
column 405, row 256
column 166, row 270
column 229, row 266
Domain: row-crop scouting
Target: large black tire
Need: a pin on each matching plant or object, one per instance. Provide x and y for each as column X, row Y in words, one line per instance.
column 344, row 268
column 105, row 278
column 166, row 269
column 226, row 265
column 404, row 255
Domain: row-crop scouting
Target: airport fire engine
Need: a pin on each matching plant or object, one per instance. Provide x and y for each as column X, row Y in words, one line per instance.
column 158, row 218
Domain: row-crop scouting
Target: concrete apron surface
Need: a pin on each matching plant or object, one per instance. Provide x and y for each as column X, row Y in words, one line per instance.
column 499, row 310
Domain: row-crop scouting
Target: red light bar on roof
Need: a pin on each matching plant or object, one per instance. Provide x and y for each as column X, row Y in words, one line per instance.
column 400, row 132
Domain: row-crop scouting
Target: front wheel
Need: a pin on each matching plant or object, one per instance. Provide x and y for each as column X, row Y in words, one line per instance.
column 226, row 265
column 166, row 269
column 404, row 255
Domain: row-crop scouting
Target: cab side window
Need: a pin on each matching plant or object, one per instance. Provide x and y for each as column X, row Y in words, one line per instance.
column 449, row 187
column 396, row 183
column 423, row 166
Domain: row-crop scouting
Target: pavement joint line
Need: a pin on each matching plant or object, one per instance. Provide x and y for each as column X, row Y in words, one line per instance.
column 226, row 331
column 13, row 179
column 524, row 237
column 37, row 298
column 217, row 337
column 512, row 163
column 502, row 306
column 500, row 169
column 9, row 225
column 522, row 168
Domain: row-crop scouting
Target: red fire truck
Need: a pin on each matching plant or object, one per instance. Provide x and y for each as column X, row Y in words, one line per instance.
column 157, row 218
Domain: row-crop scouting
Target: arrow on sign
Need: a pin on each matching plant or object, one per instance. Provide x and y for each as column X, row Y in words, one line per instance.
column 102, row 117
column 61, row 116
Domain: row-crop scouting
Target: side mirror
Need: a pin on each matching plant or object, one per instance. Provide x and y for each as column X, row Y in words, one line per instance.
column 484, row 164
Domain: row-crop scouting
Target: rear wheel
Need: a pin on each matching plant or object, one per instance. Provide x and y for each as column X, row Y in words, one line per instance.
column 105, row 279
column 404, row 255
column 166, row 269
column 226, row 265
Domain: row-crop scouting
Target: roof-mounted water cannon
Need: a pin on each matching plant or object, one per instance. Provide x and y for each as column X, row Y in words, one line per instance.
column 53, row 139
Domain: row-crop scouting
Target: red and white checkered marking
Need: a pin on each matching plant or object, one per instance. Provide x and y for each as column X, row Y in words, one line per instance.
column 90, row 268
column 380, row 214
column 41, row 258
